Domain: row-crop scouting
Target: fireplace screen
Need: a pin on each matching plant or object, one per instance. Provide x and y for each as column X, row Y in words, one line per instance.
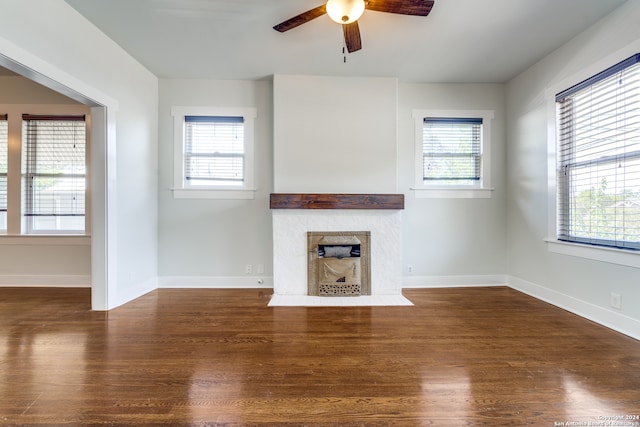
column 338, row 263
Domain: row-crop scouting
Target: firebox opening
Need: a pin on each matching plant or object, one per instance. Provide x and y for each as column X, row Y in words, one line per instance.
column 338, row 263
column 340, row 251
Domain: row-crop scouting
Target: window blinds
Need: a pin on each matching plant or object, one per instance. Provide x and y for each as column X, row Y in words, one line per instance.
column 451, row 151
column 214, row 150
column 598, row 161
column 4, row 161
column 54, row 171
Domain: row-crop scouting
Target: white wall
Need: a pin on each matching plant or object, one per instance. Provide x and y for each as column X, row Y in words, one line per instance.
column 61, row 44
column 209, row 242
column 453, row 241
column 579, row 284
column 20, row 90
column 334, row 134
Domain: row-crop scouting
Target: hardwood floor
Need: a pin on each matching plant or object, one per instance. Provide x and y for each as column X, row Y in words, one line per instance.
column 474, row 356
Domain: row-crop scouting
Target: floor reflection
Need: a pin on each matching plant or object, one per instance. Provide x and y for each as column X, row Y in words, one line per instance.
column 582, row 404
column 44, row 360
column 473, row 356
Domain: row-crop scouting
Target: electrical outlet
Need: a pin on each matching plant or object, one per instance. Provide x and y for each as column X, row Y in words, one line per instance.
column 248, row 269
column 410, row 268
column 260, row 269
column 616, row 300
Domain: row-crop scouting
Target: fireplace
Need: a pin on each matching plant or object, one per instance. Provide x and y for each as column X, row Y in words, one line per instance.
column 337, row 217
column 338, row 263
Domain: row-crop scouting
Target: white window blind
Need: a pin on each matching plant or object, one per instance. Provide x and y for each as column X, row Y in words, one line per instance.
column 54, row 173
column 4, row 162
column 451, row 151
column 214, row 151
column 598, row 161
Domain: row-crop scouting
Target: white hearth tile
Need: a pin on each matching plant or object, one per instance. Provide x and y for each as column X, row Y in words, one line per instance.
column 361, row 301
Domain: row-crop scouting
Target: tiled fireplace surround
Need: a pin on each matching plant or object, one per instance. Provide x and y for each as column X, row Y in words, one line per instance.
column 296, row 214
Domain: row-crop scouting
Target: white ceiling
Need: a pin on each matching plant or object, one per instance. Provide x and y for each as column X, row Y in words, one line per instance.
column 460, row 41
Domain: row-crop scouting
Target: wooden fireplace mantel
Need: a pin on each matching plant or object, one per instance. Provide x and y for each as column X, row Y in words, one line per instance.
column 335, row 201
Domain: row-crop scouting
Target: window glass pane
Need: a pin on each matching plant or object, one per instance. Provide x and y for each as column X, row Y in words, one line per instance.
column 451, row 151
column 600, row 207
column 599, row 161
column 54, row 175
column 214, row 151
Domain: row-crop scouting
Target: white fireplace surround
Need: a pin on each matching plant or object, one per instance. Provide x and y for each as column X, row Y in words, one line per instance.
column 290, row 227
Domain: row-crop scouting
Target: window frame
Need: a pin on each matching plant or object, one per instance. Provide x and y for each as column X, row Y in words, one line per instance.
column 183, row 191
column 483, row 188
column 29, row 218
column 5, row 147
column 610, row 255
column 573, row 163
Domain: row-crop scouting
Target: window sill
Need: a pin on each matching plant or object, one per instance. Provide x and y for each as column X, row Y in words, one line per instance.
column 48, row 240
column 610, row 255
column 452, row 193
column 220, row 194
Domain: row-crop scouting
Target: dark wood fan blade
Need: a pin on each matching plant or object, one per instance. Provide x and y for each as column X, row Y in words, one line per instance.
column 402, row 7
column 301, row 19
column 352, row 36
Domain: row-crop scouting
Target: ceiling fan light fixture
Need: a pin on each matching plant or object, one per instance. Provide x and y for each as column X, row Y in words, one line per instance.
column 345, row 11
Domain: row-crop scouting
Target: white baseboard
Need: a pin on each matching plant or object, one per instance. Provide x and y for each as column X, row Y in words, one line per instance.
column 608, row 318
column 45, row 281
column 215, row 282
column 453, row 281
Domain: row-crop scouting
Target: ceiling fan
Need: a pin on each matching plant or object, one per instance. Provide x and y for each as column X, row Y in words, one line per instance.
column 347, row 12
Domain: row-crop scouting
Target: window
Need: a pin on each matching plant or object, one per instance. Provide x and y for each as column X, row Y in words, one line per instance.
column 213, row 152
column 54, row 174
column 598, row 159
column 452, row 153
column 4, row 163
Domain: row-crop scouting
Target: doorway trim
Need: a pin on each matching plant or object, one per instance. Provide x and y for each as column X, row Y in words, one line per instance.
column 102, row 161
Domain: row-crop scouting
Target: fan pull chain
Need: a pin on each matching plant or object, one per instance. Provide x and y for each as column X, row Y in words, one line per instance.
column 344, row 55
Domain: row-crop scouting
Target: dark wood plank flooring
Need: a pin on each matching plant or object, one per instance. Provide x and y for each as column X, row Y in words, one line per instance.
column 470, row 356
